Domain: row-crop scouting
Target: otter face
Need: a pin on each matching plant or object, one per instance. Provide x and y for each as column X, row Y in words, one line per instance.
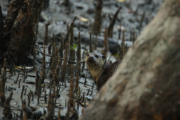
column 95, row 58
column 95, row 62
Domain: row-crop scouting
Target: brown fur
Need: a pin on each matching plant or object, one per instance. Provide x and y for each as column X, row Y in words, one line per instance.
column 100, row 70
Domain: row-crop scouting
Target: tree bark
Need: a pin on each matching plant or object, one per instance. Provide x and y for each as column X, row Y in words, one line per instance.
column 96, row 26
column 66, row 2
column 19, row 30
column 146, row 84
column 46, row 4
column 12, row 13
column 111, row 25
column 1, row 24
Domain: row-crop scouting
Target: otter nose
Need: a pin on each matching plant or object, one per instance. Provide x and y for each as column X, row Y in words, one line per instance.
column 91, row 58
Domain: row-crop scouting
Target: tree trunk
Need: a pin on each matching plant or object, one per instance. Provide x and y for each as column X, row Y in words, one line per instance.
column 1, row 24
column 146, row 85
column 66, row 2
column 12, row 13
column 96, row 26
column 46, row 4
column 19, row 30
column 111, row 25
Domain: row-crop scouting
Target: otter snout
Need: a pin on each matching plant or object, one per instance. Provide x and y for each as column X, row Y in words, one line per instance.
column 90, row 58
column 95, row 59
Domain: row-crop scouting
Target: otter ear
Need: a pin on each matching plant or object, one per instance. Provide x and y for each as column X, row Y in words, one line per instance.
column 104, row 57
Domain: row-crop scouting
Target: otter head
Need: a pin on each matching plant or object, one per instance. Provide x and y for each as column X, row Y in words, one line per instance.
column 95, row 63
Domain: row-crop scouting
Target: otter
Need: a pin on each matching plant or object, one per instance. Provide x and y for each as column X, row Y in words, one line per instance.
column 100, row 69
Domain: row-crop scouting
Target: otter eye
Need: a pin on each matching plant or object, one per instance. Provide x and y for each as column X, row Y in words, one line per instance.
column 96, row 56
column 104, row 57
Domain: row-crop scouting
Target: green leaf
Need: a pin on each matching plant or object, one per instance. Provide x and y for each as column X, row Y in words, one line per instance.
column 74, row 47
